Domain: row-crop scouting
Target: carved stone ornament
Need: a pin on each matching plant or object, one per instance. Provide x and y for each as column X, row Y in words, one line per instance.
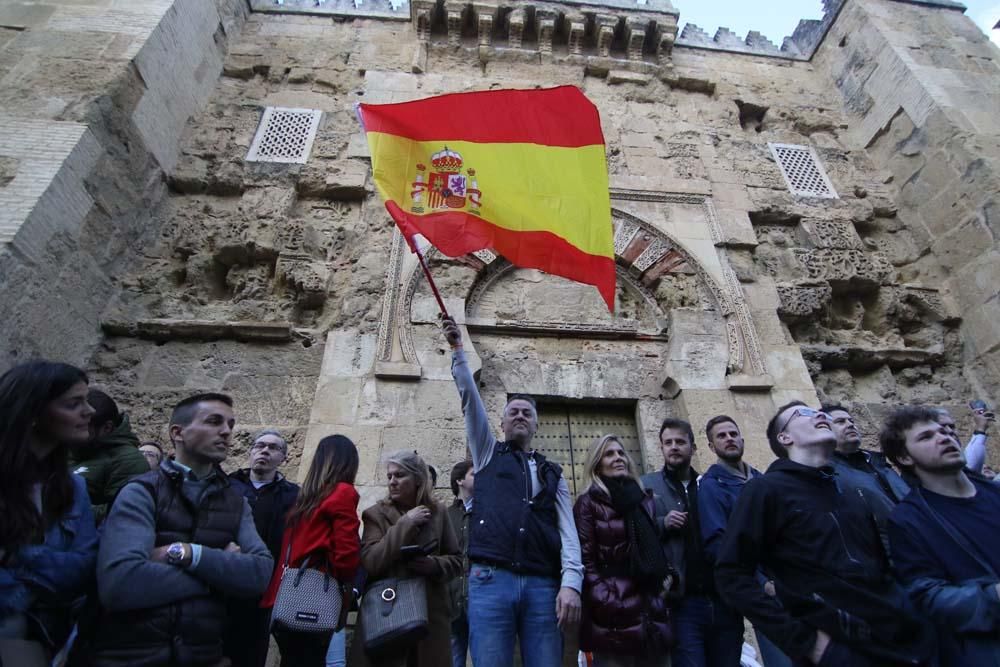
column 653, row 254
column 803, row 301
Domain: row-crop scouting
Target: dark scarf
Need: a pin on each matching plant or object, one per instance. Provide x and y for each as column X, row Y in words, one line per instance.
column 647, row 562
column 699, row 575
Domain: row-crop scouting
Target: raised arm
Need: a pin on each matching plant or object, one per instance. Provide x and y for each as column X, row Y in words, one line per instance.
column 477, row 426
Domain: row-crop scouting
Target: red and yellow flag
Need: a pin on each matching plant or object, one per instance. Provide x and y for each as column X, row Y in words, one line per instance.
column 520, row 172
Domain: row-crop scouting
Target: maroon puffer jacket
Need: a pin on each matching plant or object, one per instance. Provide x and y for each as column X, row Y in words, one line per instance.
column 619, row 616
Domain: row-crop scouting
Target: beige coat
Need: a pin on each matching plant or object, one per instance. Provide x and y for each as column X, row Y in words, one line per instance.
column 386, row 530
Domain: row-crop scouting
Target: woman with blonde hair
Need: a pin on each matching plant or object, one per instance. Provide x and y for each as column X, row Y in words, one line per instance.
column 323, row 527
column 626, row 572
column 407, row 535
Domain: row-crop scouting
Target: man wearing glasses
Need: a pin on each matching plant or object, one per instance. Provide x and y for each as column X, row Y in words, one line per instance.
column 271, row 496
column 836, row 602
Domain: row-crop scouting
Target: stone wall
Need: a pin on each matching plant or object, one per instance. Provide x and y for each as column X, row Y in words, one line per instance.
column 736, row 295
column 919, row 87
column 96, row 93
column 287, row 285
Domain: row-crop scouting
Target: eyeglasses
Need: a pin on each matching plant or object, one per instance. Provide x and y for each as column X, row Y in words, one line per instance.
column 803, row 411
column 273, row 446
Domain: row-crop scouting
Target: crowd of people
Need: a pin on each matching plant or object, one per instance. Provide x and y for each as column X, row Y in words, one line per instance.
column 113, row 553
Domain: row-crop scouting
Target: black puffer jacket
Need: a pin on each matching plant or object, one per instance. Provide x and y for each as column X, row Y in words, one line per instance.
column 620, row 615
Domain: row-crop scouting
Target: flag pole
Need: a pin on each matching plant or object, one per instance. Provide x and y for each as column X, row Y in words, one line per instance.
column 430, row 280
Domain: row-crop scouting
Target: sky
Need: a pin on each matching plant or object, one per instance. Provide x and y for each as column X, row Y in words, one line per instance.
column 777, row 19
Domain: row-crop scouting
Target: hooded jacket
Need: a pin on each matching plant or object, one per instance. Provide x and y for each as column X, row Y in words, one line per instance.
column 821, row 544
column 947, row 580
column 107, row 464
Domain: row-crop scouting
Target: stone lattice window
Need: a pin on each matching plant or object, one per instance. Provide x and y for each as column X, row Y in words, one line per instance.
column 284, row 135
column 802, row 170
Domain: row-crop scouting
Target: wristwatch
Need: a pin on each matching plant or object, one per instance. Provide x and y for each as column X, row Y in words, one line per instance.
column 175, row 553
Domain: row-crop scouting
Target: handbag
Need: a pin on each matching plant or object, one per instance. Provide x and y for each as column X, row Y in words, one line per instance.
column 394, row 614
column 308, row 600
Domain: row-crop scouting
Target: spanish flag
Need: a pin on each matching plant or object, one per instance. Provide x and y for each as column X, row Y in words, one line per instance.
column 520, row 172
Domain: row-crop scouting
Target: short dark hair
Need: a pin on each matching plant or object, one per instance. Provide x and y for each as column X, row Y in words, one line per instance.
column 715, row 421
column 152, row 443
column 458, row 473
column 185, row 411
column 892, row 438
column 521, row 397
column 434, row 475
column 679, row 425
column 105, row 409
column 772, row 430
column 831, row 407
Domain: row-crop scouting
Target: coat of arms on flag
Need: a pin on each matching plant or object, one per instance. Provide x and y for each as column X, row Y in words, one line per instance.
column 446, row 187
column 539, row 154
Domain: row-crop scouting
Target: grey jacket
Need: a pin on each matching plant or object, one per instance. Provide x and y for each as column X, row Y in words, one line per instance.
column 127, row 579
column 665, row 500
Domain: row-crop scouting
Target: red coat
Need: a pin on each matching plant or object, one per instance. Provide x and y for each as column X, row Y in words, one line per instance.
column 619, row 615
column 329, row 534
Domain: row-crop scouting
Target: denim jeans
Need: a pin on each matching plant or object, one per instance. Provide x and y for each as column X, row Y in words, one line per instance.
column 771, row 655
column 504, row 605
column 707, row 634
column 459, row 641
column 336, row 652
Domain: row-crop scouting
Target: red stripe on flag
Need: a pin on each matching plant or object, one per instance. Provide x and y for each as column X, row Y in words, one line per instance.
column 551, row 117
column 456, row 233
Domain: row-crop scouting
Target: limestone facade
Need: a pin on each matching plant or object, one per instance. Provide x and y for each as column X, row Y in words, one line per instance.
column 183, row 266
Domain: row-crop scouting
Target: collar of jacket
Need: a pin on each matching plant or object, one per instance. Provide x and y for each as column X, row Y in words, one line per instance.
column 459, row 503
column 243, row 475
column 725, row 475
column 823, row 474
column 671, row 476
column 859, row 455
column 918, row 498
column 177, row 472
column 121, row 436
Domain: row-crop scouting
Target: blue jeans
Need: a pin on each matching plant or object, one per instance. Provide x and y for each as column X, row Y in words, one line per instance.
column 707, row 634
column 771, row 655
column 504, row 605
column 336, row 653
column 459, row 640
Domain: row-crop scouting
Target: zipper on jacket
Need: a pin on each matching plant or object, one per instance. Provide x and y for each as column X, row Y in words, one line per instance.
column 843, row 539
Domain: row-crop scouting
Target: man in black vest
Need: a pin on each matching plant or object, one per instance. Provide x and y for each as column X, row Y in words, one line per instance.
column 525, row 571
column 177, row 542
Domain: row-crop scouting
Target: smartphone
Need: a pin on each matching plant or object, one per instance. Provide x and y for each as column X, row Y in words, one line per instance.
column 411, row 550
column 978, row 405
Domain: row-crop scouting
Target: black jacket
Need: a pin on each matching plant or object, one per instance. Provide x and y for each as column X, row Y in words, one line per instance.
column 822, row 546
column 270, row 504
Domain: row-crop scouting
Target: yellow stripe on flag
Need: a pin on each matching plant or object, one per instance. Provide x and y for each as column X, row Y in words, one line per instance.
column 525, row 187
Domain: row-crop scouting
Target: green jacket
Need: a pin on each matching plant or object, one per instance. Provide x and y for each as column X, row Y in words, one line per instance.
column 107, row 463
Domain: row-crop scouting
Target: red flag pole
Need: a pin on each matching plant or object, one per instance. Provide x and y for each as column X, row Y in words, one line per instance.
column 430, row 279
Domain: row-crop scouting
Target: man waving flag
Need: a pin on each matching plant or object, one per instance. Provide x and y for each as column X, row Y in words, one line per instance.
column 520, row 172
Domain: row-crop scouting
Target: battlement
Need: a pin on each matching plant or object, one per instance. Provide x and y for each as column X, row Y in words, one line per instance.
column 636, row 29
